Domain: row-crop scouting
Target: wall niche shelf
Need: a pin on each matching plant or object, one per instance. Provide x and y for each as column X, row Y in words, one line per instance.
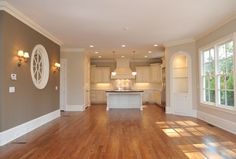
column 181, row 90
column 180, row 74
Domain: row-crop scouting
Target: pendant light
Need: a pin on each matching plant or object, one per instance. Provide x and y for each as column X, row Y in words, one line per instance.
column 113, row 73
column 134, row 73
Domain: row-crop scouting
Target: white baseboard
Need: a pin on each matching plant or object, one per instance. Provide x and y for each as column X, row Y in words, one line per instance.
column 75, row 108
column 190, row 113
column 217, row 121
column 169, row 110
column 13, row 133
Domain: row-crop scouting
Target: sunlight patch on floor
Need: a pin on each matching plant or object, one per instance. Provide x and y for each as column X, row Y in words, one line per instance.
column 191, row 152
column 229, row 153
column 171, row 133
column 210, row 147
column 200, row 146
column 195, row 155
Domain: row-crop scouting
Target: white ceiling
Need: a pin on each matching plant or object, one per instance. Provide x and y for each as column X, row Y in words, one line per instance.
column 107, row 24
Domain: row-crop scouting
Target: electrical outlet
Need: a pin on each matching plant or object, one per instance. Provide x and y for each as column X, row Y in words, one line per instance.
column 12, row 89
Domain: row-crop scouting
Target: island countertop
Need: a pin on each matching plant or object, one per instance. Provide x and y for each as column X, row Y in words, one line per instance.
column 124, row 99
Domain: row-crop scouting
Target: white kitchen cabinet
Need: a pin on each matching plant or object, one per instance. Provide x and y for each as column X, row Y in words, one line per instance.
column 145, row 96
column 143, row 74
column 152, row 96
column 155, row 73
column 100, row 74
column 98, row 96
column 92, row 73
column 155, row 96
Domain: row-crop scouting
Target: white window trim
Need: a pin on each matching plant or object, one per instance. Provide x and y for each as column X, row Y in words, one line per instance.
column 214, row 45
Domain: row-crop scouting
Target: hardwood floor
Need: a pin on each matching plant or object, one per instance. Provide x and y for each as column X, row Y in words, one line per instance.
column 123, row 134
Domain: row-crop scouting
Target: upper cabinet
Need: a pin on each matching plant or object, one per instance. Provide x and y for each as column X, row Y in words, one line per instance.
column 155, row 73
column 143, row 74
column 100, row 74
column 149, row 74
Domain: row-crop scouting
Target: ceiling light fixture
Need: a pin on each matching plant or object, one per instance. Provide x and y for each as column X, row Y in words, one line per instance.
column 146, row 56
column 123, row 45
column 149, row 52
column 91, row 46
column 134, row 73
column 96, row 52
column 122, row 56
column 155, row 45
column 113, row 73
column 99, row 56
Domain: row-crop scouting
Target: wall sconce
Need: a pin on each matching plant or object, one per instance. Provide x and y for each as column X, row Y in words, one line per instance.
column 56, row 67
column 22, row 56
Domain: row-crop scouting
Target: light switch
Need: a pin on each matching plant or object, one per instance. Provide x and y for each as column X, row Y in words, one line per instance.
column 12, row 90
column 13, row 77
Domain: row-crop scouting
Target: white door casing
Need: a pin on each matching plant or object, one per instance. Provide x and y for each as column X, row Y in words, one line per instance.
column 63, row 84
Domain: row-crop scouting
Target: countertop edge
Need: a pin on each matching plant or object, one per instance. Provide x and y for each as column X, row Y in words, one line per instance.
column 123, row 91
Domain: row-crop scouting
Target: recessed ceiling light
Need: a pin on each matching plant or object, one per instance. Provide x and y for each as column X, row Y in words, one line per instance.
column 96, row 52
column 91, row 46
column 149, row 52
column 99, row 56
column 155, row 45
column 123, row 45
column 146, row 56
column 122, row 56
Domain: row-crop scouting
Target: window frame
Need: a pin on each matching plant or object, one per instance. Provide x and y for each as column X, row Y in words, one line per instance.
column 215, row 45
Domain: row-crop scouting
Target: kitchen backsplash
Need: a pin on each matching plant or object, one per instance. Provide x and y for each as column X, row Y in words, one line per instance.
column 126, row 84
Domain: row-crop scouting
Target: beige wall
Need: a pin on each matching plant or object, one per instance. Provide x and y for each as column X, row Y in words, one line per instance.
column 210, row 38
column 190, row 49
column 77, row 74
column 27, row 102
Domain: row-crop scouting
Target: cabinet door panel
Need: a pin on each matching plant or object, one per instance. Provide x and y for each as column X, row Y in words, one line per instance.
column 143, row 74
column 100, row 74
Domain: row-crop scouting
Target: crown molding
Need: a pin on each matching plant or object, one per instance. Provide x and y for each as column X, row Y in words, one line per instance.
column 5, row 6
column 214, row 28
column 178, row 42
column 72, row 49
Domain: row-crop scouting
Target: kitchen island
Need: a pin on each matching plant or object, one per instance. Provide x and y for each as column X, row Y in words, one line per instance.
column 124, row 99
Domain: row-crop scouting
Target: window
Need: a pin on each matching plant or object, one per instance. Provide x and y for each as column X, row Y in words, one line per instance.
column 39, row 66
column 217, row 75
column 208, row 76
column 225, row 69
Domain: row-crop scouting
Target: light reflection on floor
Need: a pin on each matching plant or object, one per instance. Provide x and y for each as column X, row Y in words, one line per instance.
column 212, row 146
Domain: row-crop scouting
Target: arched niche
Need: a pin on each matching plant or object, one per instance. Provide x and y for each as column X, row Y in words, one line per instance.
column 181, row 84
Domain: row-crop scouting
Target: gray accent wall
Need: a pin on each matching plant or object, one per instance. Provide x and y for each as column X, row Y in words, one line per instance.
column 28, row 102
column 1, row 66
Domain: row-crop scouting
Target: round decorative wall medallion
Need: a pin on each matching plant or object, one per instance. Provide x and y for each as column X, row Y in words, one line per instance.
column 39, row 66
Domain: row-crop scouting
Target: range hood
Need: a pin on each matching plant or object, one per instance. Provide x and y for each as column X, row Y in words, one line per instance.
column 123, row 70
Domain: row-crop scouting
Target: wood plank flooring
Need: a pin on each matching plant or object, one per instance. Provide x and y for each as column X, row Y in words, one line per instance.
column 123, row 134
